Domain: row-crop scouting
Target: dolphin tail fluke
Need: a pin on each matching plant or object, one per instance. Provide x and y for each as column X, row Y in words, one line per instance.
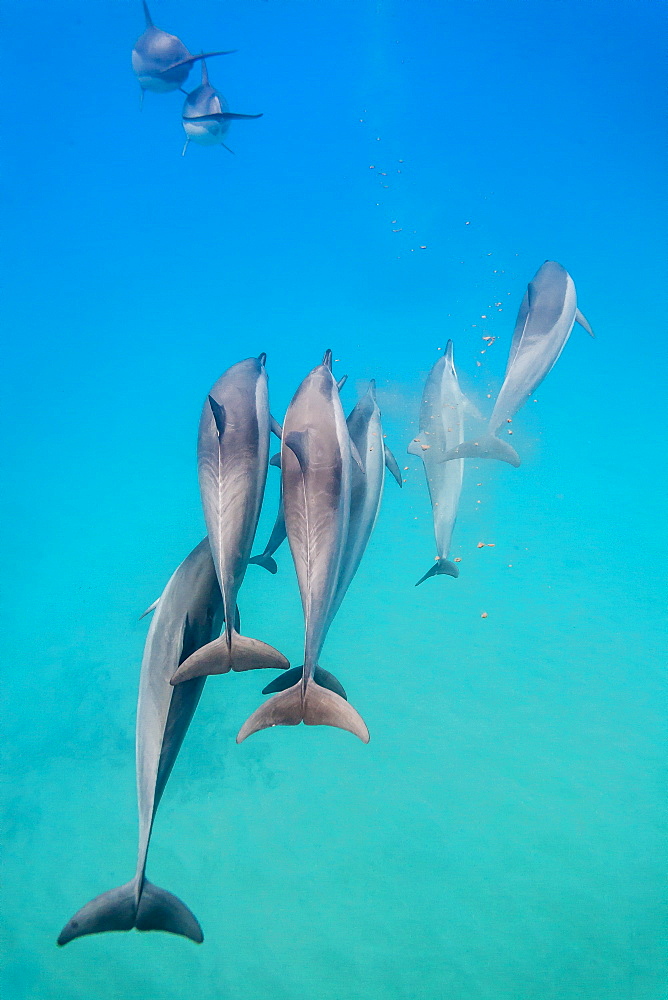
column 160, row 910
column 238, row 653
column 317, row 706
column 488, row 446
column 266, row 561
column 443, row 567
column 320, row 676
column 117, row 910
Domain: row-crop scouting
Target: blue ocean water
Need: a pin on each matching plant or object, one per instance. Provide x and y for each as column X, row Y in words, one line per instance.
column 503, row 834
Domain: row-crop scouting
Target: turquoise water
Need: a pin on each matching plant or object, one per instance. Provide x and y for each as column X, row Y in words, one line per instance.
column 503, row 834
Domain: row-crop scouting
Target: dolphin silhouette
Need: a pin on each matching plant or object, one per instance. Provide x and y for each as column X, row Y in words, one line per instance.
column 188, row 614
column 442, row 427
column 544, row 323
column 160, row 61
column 206, row 116
column 232, row 452
column 316, row 454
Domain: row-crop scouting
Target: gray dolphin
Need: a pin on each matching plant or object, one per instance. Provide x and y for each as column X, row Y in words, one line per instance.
column 366, row 491
column 544, row 323
column 278, row 532
column 188, row 615
column 232, row 453
column 160, row 61
column 315, row 467
column 442, row 413
column 206, row 116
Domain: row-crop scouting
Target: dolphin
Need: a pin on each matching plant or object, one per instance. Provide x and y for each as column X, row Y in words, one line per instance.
column 316, row 453
column 232, row 452
column 206, row 116
column 366, row 491
column 547, row 315
column 160, row 61
column 188, row 614
column 278, row 532
column 441, row 428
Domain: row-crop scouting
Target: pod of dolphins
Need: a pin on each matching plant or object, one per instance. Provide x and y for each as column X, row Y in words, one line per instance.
column 332, row 479
column 162, row 63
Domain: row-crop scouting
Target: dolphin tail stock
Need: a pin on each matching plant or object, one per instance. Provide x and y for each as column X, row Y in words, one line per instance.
column 231, row 651
column 442, row 567
column 311, row 704
column 265, row 561
column 487, row 446
column 118, row 910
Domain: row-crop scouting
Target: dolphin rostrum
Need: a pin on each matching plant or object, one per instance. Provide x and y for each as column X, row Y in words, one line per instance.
column 366, row 491
column 206, row 116
column 161, row 61
column 315, row 466
column 544, row 323
column 232, row 452
column 188, row 615
column 442, row 413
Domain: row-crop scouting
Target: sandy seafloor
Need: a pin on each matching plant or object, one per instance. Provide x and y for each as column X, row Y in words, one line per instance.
column 502, row 837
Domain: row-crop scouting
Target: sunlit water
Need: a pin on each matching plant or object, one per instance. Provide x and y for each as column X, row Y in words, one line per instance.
column 501, row 835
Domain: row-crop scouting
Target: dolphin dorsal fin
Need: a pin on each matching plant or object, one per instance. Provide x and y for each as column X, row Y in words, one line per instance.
column 147, row 15
column 218, row 411
column 327, row 359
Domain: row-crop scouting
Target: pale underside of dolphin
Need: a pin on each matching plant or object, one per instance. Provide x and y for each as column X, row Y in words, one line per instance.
column 316, row 455
column 160, row 61
column 442, row 413
column 206, row 116
column 188, row 614
column 232, row 453
column 544, row 323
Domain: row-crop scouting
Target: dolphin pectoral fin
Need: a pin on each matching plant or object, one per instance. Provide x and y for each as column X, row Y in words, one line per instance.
column 391, row 463
column 276, row 427
column 342, row 381
column 415, row 447
column 320, row 676
column 228, row 149
column 112, row 911
column 275, row 460
column 193, row 59
column 218, row 411
column 149, row 609
column 488, row 446
column 579, row 318
column 159, row 910
column 267, row 562
column 442, row 567
column 297, row 442
column 185, row 146
column 322, row 707
column 356, row 457
column 230, row 116
column 219, row 658
column 473, row 410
